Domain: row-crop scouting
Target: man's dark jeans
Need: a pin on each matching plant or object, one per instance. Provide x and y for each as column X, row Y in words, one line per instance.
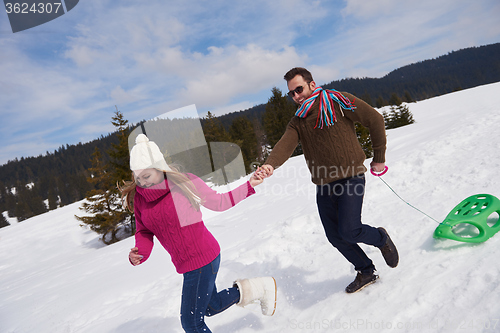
column 339, row 204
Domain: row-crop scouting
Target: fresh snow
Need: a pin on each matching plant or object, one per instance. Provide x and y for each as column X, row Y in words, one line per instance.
column 55, row 276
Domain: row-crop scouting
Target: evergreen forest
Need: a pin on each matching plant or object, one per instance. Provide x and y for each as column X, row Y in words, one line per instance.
column 34, row 185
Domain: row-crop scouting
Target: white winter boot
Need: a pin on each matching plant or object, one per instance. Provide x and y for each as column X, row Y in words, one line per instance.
column 261, row 289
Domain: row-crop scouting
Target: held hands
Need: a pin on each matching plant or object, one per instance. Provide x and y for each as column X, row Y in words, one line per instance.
column 259, row 175
column 267, row 170
column 134, row 256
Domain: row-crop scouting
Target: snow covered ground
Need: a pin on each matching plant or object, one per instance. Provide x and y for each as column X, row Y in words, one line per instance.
column 55, row 276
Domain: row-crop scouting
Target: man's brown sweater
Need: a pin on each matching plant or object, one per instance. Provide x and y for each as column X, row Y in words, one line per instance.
column 333, row 152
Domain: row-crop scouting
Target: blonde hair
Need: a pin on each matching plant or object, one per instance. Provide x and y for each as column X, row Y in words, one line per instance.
column 179, row 179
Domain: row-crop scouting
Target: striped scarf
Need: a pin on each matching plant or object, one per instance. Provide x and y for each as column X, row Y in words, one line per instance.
column 327, row 111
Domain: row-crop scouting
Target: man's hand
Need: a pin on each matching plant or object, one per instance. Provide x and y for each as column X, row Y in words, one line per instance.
column 267, row 170
column 377, row 167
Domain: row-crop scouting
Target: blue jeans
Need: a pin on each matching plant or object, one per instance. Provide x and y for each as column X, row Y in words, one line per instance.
column 339, row 205
column 200, row 297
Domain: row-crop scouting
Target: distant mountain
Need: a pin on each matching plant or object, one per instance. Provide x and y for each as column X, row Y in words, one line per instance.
column 457, row 70
column 454, row 71
column 61, row 176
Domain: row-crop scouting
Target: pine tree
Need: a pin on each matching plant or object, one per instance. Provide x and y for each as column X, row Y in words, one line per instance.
column 405, row 116
column 380, row 102
column 10, row 203
column 395, row 100
column 214, row 130
column 3, row 221
column 62, row 190
column 364, row 139
column 260, row 135
column 367, row 98
column 407, row 97
column 398, row 116
column 37, row 206
column 243, row 135
column 120, row 161
column 102, row 203
column 221, row 150
column 23, row 210
column 79, row 186
column 3, row 197
column 52, row 198
column 279, row 112
column 107, row 215
column 119, row 153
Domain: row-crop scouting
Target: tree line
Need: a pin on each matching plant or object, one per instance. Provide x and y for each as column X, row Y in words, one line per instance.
column 34, row 185
column 457, row 70
column 108, row 165
column 30, row 186
column 108, row 217
column 454, row 71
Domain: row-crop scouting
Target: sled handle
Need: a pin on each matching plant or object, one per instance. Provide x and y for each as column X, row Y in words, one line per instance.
column 380, row 174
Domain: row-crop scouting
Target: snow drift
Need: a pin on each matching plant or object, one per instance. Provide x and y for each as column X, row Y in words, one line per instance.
column 55, row 276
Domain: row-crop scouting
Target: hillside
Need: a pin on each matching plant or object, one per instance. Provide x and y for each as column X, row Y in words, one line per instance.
column 57, row 276
column 63, row 173
column 454, row 71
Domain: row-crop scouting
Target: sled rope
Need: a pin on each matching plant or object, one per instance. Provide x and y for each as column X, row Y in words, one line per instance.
column 409, row 204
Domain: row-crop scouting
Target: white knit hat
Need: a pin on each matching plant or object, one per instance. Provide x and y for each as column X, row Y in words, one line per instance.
column 145, row 154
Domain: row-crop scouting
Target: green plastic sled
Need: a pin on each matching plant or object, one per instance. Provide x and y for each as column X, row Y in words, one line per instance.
column 468, row 221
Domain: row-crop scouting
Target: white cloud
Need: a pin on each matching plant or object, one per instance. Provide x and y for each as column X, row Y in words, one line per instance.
column 153, row 57
column 323, row 74
column 234, row 71
column 363, row 9
column 382, row 35
column 120, row 96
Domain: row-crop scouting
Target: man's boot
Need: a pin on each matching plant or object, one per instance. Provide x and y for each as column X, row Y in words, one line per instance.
column 389, row 251
column 361, row 281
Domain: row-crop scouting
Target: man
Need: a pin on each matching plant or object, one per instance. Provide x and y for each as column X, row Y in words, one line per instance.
column 324, row 125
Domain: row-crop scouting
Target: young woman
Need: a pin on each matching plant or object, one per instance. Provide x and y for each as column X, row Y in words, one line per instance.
column 166, row 204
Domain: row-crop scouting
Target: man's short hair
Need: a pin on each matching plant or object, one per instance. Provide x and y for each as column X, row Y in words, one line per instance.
column 299, row 71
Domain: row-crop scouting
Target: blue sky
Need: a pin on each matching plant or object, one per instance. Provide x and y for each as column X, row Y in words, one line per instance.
column 60, row 81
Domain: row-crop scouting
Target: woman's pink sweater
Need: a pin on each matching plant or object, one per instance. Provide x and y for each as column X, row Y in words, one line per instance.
column 163, row 211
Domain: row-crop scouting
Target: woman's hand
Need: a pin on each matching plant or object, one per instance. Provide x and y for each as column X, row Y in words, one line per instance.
column 267, row 170
column 134, row 256
column 257, row 177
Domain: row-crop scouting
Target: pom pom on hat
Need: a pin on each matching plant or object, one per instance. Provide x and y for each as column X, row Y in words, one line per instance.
column 145, row 154
column 141, row 138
